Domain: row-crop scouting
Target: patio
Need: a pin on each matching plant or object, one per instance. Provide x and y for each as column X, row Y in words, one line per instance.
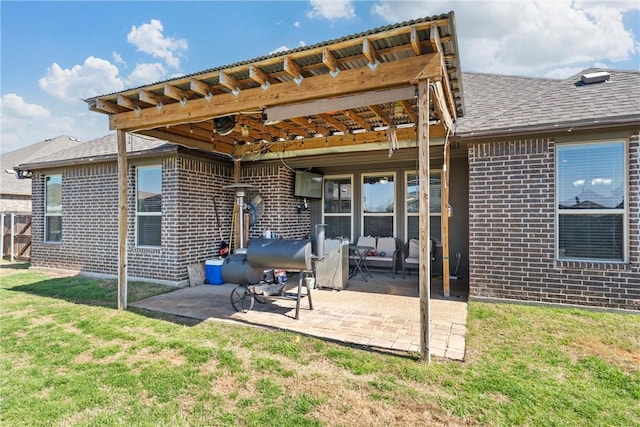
column 382, row 313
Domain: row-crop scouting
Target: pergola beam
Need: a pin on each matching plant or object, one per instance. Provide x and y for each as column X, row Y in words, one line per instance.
column 387, row 75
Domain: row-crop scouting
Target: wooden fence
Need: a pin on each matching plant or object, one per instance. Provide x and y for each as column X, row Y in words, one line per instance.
column 15, row 239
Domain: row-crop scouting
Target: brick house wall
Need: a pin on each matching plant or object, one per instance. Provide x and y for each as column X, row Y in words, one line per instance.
column 275, row 184
column 90, row 219
column 190, row 231
column 512, row 231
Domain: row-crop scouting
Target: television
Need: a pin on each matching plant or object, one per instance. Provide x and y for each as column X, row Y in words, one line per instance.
column 308, row 185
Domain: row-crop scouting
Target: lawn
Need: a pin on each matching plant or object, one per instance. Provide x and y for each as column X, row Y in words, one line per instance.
column 68, row 357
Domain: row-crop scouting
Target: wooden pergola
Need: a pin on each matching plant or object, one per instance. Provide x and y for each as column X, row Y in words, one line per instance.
column 386, row 88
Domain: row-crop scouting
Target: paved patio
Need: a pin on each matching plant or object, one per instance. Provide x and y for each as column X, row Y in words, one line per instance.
column 382, row 313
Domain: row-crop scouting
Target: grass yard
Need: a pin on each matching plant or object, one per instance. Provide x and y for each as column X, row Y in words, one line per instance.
column 68, row 357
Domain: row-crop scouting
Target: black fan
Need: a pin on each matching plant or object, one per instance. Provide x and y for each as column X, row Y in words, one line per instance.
column 224, row 125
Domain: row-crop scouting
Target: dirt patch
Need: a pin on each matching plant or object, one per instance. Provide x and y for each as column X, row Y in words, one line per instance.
column 168, row 355
column 625, row 359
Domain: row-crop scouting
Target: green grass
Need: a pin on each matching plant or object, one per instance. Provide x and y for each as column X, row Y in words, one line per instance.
column 68, row 357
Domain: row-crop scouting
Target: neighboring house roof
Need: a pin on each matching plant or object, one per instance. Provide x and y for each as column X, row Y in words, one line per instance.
column 505, row 105
column 101, row 149
column 10, row 184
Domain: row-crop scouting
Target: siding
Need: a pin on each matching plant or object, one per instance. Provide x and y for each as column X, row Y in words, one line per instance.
column 512, row 234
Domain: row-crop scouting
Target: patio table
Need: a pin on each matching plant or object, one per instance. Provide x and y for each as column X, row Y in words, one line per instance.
column 359, row 256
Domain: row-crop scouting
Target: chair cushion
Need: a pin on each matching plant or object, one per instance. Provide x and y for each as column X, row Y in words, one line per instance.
column 412, row 261
column 386, row 245
column 367, row 241
column 414, row 249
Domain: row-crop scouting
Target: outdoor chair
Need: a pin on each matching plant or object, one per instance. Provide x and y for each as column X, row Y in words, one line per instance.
column 411, row 255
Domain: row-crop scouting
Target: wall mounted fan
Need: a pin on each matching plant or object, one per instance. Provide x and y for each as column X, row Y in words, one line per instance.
column 254, row 205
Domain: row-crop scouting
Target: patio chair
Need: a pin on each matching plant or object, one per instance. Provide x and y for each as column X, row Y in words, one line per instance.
column 411, row 256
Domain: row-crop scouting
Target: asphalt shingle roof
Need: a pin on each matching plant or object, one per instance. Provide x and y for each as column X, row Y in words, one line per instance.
column 500, row 104
column 9, row 184
column 100, row 149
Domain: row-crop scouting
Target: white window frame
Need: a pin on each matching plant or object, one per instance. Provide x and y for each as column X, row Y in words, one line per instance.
column 365, row 175
column 49, row 215
column 339, row 214
column 147, row 214
column 406, row 200
column 624, row 211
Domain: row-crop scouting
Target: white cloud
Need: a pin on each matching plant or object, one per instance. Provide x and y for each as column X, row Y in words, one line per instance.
column 96, row 76
column 117, row 58
column 285, row 48
column 146, row 74
column 24, row 123
column 148, row 38
column 297, row 24
column 13, row 106
column 332, row 9
column 279, row 49
column 529, row 38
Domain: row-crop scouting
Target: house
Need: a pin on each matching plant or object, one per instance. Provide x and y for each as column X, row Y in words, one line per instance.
column 542, row 176
column 554, row 187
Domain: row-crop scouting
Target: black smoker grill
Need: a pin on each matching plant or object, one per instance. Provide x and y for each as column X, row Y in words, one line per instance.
column 247, row 269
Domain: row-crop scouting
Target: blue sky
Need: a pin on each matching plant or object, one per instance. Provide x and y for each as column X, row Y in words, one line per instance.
column 54, row 54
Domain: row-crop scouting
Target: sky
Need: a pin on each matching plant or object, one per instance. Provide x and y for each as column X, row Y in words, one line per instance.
column 55, row 54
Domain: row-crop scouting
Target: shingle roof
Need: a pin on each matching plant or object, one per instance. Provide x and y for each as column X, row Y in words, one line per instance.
column 100, row 149
column 505, row 104
column 9, row 184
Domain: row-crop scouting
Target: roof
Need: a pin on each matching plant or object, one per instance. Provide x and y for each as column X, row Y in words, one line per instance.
column 10, row 184
column 505, row 105
column 331, row 94
column 101, row 149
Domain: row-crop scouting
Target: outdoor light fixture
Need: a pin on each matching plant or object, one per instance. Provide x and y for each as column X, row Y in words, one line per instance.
column 224, row 125
column 23, row 174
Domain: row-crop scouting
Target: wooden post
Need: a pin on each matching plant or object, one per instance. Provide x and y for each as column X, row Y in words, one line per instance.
column 2, row 235
column 123, row 214
column 425, row 252
column 13, row 237
column 444, row 185
column 237, row 211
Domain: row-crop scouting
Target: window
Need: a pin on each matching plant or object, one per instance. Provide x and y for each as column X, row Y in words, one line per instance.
column 591, row 188
column 148, row 205
column 337, row 204
column 378, row 204
column 53, row 208
column 413, row 205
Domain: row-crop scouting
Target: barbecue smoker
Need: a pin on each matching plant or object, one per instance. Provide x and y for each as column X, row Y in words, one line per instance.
column 253, row 269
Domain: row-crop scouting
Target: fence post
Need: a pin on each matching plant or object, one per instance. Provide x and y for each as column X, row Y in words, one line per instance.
column 2, row 235
column 13, row 233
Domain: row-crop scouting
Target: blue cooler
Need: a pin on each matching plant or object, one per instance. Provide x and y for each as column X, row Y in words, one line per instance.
column 213, row 271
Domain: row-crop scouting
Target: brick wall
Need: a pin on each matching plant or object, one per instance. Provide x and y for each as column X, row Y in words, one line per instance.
column 512, row 232
column 275, row 184
column 90, row 219
column 189, row 228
